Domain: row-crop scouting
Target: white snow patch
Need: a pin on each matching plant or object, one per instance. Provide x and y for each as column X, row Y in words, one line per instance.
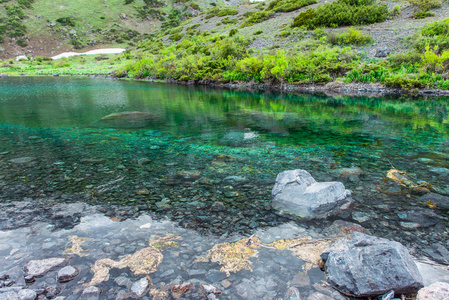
column 92, row 52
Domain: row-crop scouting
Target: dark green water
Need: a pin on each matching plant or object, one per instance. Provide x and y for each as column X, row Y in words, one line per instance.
column 209, row 135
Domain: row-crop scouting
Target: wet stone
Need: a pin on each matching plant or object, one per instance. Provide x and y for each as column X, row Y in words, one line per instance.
column 215, row 276
column 22, row 160
column 67, row 273
column 438, row 253
column 441, row 202
column 123, row 281
column 139, row 287
column 40, row 267
column 91, row 293
column 9, row 295
column 292, row 294
column 27, row 294
column 422, row 216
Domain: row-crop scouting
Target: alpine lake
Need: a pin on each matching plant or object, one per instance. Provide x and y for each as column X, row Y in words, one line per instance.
column 196, row 171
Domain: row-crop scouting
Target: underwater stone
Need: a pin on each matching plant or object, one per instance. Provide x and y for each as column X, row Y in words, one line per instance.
column 128, row 119
column 91, row 293
column 439, row 200
column 296, row 194
column 67, row 273
column 22, row 160
column 27, row 294
column 40, row 267
column 366, row 266
column 140, row 287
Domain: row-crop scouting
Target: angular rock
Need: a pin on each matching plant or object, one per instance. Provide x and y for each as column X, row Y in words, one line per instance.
column 292, row 294
column 91, row 293
column 296, row 194
column 27, row 294
column 436, row 291
column 139, row 287
column 438, row 253
column 67, row 273
column 40, row 267
column 364, row 266
column 441, row 202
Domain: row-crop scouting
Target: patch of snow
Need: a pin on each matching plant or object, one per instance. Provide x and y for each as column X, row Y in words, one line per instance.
column 92, row 52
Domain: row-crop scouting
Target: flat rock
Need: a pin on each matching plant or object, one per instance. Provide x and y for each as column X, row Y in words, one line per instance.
column 40, row 267
column 437, row 252
column 128, row 119
column 365, row 266
column 425, row 217
column 297, row 195
column 22, row 160
column 139, row 287
column 436, row 291
column 439, row 171
column 442, row 202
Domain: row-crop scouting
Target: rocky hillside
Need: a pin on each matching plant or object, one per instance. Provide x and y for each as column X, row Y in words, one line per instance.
column 46, row 28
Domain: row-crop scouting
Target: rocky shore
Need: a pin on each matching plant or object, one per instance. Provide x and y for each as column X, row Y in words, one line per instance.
column 44, row 260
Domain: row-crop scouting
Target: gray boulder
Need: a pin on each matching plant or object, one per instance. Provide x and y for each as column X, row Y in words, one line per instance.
column 382, row 51
column 364, row 266
column 296, row 194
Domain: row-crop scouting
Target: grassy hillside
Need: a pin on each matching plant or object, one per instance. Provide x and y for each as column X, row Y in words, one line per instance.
column 399, row 44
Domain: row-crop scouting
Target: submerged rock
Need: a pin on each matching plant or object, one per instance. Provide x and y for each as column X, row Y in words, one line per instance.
column 40, row 267
column 126, row 120
column 423, row 216
column 296, row 194
column 441, row 202
column 67, row 273
column 139, row 287
column 363, row 266
column 22, row 160
column 436, row 291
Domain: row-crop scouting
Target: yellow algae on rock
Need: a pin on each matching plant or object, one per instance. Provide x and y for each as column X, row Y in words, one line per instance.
column 144, row 261
column 76, row 246
column 233, row 257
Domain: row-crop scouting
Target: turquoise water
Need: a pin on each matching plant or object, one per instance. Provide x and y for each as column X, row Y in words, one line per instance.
column 178, row 163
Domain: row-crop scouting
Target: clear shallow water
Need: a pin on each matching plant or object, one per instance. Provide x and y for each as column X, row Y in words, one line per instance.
column 179, row 164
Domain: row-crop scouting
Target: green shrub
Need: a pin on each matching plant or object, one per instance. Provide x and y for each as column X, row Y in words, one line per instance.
column 396, row 11
column 421, row 14
column 233, row 32
column 176, row 37
column 25, row 3
column 422, row 7
column 411, row 57
column 341, row 13
column 227, row 12
column 353, row 36
column 62, row 63
column 288, row 5
column 21, row 43
column 67, row 21
column 256, row 17
column 129, row 2
column 258, row 32
column 434, row 34
column 227, row 20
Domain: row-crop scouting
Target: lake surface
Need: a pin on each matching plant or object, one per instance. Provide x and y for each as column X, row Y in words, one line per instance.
column 208, row 158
